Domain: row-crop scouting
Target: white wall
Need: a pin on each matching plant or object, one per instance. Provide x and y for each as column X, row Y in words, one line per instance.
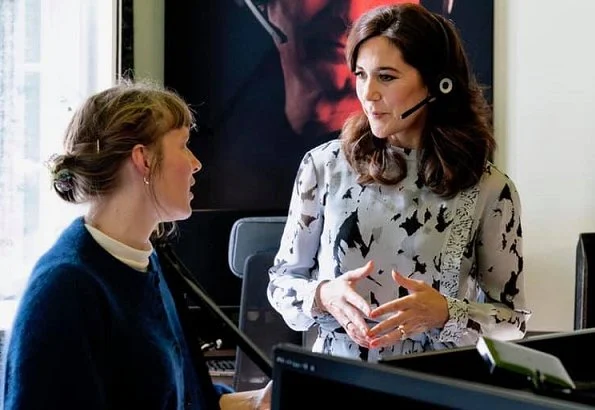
column 545, row 111
column 544, row 93
column 148, row 39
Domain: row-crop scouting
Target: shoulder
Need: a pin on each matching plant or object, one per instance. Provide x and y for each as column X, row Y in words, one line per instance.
column 61, row 288
column 59, row 300
column 495, row 185
column 325, row 152
column 56, row 286
column 321, row 163
column 327, row 158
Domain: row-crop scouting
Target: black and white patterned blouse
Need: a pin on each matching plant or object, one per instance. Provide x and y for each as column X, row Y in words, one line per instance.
column 468, row 247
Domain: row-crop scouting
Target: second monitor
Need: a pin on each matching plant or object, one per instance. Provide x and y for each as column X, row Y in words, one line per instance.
column 302, row 379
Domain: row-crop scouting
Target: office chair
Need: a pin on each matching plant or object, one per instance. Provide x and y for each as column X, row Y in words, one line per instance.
column 254, row 241
column 250, row 235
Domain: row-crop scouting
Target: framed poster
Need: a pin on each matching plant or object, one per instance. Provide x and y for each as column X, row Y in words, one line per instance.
column 261, row 103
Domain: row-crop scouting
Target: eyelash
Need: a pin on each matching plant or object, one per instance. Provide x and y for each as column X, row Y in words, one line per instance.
column 382, row 77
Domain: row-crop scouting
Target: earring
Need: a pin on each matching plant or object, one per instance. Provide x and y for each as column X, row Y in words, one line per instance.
column 146, row 180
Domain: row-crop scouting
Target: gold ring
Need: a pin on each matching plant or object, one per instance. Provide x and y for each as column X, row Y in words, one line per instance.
column 403, row 334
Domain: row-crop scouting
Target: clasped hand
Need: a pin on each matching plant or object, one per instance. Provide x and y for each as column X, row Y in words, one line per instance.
column 422, row 309
column 339, row 298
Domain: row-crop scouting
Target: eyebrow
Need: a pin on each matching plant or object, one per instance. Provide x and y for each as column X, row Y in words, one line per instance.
column 382, row 68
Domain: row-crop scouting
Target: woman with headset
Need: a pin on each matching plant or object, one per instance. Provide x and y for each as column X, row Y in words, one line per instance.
column 401, row 236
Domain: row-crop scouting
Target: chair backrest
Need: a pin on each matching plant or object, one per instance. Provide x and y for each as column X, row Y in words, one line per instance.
column 259, row 321
column 254, row 242
column 584, row 309
column 250, row 235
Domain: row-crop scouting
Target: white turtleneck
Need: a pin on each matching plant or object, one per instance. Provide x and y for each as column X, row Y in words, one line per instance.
column 135, row 258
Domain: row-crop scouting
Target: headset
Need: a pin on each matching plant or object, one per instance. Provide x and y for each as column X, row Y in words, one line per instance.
column 444, row 82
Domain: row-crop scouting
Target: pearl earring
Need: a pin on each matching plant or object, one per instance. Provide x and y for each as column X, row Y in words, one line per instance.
column 146, row 180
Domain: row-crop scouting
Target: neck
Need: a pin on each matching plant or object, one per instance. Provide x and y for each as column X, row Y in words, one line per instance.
column 410, row 137
column 124, row 219
column 404, row 141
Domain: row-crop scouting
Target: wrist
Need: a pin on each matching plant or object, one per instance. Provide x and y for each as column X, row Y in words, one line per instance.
column 318, row 305
column 445, row 312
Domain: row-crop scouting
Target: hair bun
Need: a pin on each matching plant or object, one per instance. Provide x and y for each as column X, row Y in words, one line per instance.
column 63, row 181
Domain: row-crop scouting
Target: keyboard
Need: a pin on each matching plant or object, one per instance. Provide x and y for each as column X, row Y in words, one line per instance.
column 221, row 367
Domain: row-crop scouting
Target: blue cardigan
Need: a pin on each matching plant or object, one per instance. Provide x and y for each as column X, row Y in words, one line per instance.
column 93, row 333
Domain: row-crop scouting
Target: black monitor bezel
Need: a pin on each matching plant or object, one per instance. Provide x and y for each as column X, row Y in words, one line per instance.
column 453, row 393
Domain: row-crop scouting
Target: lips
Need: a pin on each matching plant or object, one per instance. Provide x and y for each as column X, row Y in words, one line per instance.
column 377, row 114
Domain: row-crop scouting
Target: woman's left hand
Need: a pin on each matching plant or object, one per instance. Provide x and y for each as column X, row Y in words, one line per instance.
column 248, row 400
column 263, row 401
column 424, row 308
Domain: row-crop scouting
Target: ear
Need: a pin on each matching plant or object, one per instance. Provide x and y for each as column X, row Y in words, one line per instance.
column 140, row 159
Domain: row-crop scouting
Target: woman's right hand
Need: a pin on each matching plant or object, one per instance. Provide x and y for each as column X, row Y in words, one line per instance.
column 339, row 298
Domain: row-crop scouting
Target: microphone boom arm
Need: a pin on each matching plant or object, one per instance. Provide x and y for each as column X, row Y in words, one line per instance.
column 243, row 342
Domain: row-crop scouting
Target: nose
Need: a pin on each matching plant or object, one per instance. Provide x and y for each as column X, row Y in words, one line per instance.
column 196, row 164
column 369, row 90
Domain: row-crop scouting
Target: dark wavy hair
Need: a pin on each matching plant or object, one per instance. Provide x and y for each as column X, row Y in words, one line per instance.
column 457, row 140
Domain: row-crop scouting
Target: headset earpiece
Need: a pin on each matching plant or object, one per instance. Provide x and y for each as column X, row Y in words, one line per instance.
column 445, row 85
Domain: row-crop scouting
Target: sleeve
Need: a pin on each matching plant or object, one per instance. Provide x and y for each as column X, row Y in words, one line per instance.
column 502, row 313
column 294, row 276
column 51, row 361
column 222, row 389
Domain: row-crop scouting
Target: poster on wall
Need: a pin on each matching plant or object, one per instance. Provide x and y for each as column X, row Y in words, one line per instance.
column 269, row 84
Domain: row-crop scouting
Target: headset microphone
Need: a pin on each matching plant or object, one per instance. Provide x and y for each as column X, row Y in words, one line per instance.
column 444, row 85
column 417, row 106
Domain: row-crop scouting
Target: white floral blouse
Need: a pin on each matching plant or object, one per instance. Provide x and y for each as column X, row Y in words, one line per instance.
column 468, row 247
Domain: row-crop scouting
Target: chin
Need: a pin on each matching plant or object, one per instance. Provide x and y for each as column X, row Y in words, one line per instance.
column 177, row 215
column 184, row 215
column 380, row 133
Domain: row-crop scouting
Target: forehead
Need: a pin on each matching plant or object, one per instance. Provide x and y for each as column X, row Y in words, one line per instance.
column 379, row 51
column 176, row 135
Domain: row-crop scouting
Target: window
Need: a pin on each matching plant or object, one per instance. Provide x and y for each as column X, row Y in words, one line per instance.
column 53, row 54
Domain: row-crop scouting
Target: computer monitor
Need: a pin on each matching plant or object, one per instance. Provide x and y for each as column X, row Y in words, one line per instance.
column 303, row 379
column 465, row 363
